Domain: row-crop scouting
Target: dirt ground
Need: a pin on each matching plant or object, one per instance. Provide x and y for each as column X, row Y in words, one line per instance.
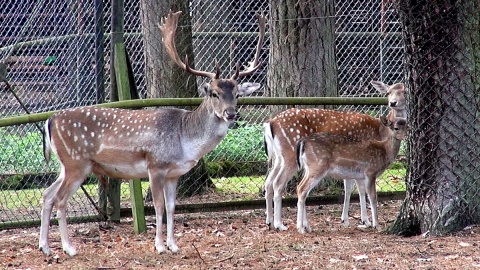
column 241, row 240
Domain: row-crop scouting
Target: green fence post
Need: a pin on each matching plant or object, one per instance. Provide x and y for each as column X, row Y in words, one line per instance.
column 121, row 78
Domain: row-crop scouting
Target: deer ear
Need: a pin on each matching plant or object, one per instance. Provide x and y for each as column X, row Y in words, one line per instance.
column 398, row 86
column 247, row 88
column 385, row 121
column 204, row 89
column 380, row 86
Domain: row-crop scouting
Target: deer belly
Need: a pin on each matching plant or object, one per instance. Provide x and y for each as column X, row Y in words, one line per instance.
column 131, row 170
column 347, row 172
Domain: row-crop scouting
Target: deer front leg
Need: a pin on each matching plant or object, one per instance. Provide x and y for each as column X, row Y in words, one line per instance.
column 372, row 196
column 348, row 187
column 363, row 202
column 157, row 181
column 170, row 195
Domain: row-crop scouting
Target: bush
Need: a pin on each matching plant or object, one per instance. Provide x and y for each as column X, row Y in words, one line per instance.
column 244, row 143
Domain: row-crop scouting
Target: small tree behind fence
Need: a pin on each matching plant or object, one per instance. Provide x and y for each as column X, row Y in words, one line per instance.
column 57, row 56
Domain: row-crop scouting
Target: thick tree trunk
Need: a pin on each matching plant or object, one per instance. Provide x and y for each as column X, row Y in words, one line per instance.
column 165, row 79
column 302, row 55
column 443, row 77
column 302, row 52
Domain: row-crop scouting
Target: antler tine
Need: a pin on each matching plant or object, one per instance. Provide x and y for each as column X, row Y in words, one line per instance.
column 254, row 65
column 168, row 27
column 217, row 69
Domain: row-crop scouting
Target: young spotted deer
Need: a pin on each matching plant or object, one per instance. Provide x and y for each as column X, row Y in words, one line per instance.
column 346, row 157
column 282, row 132
column 160, row 144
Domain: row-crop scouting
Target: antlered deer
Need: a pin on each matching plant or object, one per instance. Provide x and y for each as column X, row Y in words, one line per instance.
column 284, row 130
column 327, row 154
column 160, row 144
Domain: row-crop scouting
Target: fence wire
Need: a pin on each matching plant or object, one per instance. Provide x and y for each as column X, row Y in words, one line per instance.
column 58, row 58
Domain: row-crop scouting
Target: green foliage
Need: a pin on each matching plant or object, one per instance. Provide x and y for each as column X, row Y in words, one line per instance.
column 21, row 153
column 244, row 143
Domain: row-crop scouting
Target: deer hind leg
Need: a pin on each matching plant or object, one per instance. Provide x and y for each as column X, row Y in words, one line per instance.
column 309, row 181
column 287, row 168
column 363, row 203
column 273, row 174
column 48, row 201
column 58, row 194
column 157, row 182
column 170, row 196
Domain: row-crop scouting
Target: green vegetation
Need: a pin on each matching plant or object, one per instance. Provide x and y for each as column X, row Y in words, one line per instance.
column 244, row 143
column 250, row 185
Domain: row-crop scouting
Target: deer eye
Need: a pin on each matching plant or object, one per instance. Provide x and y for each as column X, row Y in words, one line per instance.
column 215, row 95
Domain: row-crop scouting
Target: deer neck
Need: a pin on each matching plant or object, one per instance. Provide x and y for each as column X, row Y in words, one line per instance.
column 392, row 147
column 203, row 129
column 397, row 112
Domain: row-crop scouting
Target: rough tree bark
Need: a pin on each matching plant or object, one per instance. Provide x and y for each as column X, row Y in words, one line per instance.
column 165, row 79
column 302, row 55
column 302, row 52
column 442, row 44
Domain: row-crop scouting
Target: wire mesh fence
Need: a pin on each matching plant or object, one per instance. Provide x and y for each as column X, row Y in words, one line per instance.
column 58, row 56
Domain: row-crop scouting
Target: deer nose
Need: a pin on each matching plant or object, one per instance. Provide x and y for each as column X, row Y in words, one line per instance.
column 230, row 113
column 393, row 103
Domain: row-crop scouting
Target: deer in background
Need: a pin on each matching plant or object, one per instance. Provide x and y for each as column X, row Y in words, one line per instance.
column 327, row 154
column 282, row 132
column 160, row 144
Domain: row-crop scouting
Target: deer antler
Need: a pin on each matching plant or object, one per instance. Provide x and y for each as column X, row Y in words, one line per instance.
column 254, row 65
column 168, row 27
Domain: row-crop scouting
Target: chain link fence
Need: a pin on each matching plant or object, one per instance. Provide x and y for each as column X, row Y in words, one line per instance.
column 58, row 56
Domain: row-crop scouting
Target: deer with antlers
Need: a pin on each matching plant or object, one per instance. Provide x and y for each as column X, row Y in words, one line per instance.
column 282, row 132
column 160, row 144
column 338, row 156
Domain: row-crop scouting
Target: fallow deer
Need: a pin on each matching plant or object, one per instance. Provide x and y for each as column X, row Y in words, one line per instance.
column 346, row 157
column 282, row 132
column 160, row 144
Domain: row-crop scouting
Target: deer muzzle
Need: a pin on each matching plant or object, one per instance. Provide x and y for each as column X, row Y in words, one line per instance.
column 230, row 114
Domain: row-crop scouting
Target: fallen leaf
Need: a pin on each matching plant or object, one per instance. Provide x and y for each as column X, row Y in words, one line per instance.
column 452, row 257
column 360, row 257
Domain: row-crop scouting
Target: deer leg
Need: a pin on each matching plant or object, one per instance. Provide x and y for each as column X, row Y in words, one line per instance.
column 363, row 202
column 170, row 196
column 157, row 179
column 48, row 201
column 285, row 173
column 372, row 196
column 73, row 180
column 269, row 191
column 303, row 189
column 348, row 186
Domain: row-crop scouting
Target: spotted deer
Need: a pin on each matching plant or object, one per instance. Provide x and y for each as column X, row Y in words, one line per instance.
column 346, row 157
column 160, row 144
column 282, row 132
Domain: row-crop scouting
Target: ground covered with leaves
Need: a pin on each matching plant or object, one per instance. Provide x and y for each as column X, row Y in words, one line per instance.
column 241, row 240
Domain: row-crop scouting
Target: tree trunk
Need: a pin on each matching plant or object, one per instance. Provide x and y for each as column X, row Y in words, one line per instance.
column 443, row 77
column 165, row 79
column 302, row 52
column 302, row 55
